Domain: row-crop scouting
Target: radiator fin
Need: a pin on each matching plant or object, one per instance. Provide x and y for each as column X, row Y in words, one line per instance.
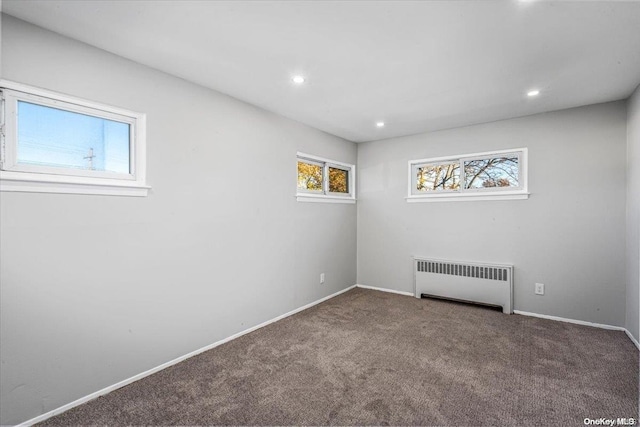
column 491, row 273
column 487, row 284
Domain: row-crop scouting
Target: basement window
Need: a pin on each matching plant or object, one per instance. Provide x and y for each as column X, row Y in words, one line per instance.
column 324, row 180
column 54, row 143
column 497, row 175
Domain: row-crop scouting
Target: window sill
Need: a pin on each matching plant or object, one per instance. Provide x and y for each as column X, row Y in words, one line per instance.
column 466, row 197
column 38, row 183
column 324, row 199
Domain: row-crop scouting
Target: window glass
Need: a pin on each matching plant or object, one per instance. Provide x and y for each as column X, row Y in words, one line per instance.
column 438, row 177
column 338, row 180
column 60, row 138
column 492, row 172
column 310, row 176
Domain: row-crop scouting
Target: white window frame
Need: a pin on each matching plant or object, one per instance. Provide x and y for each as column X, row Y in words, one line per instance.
column 45, row 179
column 325, row 196
column 490, row 193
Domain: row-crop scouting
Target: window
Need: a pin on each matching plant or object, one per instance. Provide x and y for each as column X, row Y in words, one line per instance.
column 324, row 180
column 480, row 176
column 56, row 143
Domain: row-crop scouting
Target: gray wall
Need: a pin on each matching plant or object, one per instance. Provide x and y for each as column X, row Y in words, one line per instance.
column 95, row 289
column 633, row 213
column 568, row 235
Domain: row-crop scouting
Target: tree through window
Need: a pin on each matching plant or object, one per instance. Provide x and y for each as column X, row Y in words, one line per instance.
column 482, row 173
column 325, row 180
column 438, row 177
column 491, row 172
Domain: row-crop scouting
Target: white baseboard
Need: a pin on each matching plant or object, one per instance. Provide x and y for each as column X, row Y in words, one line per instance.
column 577, row 322
column 137, row 377
column 631, row 337
column 580, row 322
column 393, row 291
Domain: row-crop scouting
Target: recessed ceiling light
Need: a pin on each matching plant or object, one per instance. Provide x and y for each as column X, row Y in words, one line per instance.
column 533, row 93
column 380, row 124
column 298, row 79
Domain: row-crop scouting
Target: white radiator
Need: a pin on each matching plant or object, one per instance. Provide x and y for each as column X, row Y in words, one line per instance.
column 488, row 284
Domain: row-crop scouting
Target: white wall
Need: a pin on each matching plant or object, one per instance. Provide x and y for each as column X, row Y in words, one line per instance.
column 568, row 235
column 633, row 213
column 95, row 289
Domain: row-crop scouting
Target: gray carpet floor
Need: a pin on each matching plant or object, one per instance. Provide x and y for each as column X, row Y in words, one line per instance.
column 374, row 358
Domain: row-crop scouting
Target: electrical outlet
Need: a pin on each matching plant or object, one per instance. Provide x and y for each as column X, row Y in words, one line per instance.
column 321, row 278
column 539, row 290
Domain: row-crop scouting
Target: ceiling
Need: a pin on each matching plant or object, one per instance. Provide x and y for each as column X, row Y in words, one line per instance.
column 417, row 66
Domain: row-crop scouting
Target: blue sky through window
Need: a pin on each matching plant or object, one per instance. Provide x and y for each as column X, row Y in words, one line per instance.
column 52, row 137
